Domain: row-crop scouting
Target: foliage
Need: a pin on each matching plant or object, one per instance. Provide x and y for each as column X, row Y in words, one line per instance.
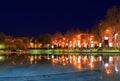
column 111, row 22
column 2, row 38
column 45, row 38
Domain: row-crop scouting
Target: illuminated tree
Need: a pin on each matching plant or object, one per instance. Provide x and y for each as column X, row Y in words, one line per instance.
column 10, row 44
column 19, row 44
column 69, row 35
column 112, row 19
column 57, row 39
column 97, row 32
column 109, row 25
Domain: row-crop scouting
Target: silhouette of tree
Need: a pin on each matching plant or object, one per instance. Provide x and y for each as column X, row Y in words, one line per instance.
column 45, row 39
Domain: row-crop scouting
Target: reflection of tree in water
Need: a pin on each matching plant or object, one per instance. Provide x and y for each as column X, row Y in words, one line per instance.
column 17, row 59
column 111, row 64
column 77, row 61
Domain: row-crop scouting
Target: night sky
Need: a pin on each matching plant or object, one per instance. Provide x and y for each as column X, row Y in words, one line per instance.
column 32, row 18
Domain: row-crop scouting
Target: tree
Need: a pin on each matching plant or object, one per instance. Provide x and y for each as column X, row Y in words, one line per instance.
column 45, row 39
column 2, row 38
column 57, row 39
column 113, row 15
column 19, row 44
column 111, row 22
column 70, row 35
column 26, row 42
column 97, row 31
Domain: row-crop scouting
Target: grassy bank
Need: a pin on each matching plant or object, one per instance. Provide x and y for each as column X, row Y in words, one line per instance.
column 70, row 51
column 62, row 51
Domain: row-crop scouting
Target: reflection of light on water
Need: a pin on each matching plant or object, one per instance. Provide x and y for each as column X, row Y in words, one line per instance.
column 108, row 70
column 79, row 66
column 39, row 57
column 75, row 60
column 63, row 60
column 79, row 61
column 91, row 65
column 106, row 65
column 100, row 58
column 100, row 77
column 56, row 59
column 110, row 59
column 52, row 56
column 35, row 62
column 67, row 58
column 13, row 62
column 31, row 59
column 2, row 58
column 79, row 58
column 85, row 57
column 64, row 64
column 35, row 57
column 116, row 69
column 92, row 58
column 70, row 59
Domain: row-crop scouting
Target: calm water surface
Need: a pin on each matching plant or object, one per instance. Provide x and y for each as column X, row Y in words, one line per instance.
column 59, row 67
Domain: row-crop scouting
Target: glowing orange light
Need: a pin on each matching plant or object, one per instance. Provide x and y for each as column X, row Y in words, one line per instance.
column 107, row 31
column 91, row 65
column 108, row 71
column 31, row 59
column 79, row 66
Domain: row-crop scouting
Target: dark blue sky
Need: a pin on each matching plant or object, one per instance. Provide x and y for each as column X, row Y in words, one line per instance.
column 35, row 17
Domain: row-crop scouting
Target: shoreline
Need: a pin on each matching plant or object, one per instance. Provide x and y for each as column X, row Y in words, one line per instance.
column 69, row 51
column 60, row 51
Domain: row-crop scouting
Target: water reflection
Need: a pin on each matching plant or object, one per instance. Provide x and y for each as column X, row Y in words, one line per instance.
column 2, row 58
column 108, row 64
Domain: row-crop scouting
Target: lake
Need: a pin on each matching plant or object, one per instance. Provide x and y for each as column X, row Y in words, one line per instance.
column 60, row 67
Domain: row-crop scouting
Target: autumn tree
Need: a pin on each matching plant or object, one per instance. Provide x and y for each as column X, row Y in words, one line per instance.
column 19, row 44
column 111, row 22
column 97, row 32
column 112, row 19
column 57, row 39
column 70, row 35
